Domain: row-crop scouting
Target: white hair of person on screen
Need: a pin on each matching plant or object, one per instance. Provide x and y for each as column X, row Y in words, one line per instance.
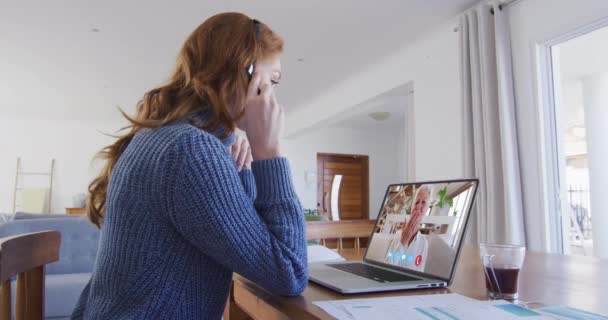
column 410, row 248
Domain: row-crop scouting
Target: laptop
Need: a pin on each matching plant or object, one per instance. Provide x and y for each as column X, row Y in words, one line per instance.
column 415, row 243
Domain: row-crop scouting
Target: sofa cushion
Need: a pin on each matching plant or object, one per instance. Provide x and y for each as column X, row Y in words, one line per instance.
column 6, row 217
column 28, row 215
column 61, row 294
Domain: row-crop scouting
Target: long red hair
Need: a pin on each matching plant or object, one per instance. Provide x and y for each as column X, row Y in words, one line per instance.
column 210, row 76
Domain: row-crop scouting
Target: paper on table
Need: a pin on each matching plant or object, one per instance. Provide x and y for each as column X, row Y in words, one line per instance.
column 424, row 307
column 552, row 312
column 318, row 253
column 567, row 313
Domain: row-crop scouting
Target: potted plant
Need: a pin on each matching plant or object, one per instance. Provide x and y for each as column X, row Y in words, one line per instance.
column 311, row 212
column 313, row 215
column 443, row 204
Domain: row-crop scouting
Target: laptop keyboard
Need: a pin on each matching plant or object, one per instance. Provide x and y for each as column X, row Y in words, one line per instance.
column 371, row 272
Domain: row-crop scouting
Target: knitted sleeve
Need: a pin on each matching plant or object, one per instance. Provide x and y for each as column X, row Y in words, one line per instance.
column 264, row 240
column 248, row 182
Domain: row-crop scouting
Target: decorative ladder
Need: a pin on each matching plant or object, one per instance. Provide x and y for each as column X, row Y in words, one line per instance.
column 20, row 174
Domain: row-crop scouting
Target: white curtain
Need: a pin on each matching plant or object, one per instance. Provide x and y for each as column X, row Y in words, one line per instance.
column 490, row 135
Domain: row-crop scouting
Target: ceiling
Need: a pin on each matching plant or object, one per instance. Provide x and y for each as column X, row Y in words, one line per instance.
column 394, row 101
column 395, row 106
column 52, row 65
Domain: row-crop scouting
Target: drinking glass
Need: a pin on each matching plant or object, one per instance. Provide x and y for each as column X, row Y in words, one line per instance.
column 501, row 265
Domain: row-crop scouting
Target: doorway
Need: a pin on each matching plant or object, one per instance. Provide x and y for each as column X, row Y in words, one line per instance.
column 577, row 110
column 343, row 186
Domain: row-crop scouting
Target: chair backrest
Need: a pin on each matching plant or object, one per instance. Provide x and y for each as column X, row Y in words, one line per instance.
column 79, row 241
column 25, row 256
column 349, row 229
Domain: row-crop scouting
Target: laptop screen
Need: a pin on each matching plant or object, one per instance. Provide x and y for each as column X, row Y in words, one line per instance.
column 420, row 226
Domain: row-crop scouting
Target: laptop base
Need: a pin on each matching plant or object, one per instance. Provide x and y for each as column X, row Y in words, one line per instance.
column 349, row 283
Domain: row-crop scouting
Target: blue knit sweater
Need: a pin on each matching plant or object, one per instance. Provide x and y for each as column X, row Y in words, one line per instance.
column 180, row 219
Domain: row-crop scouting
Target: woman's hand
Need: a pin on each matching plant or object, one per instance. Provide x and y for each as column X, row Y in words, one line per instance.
column 241, row 151
column 264, row 119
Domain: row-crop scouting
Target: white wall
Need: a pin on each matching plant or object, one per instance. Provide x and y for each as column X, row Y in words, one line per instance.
column 382, row 150
column 595, row 93
column 535, row 22
column 73, row 144
column 571, row 114
column 431, row 63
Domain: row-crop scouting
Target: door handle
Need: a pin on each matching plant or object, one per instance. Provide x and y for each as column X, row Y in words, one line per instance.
column 325, row 201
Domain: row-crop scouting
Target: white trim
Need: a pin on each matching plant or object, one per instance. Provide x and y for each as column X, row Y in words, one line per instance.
column 561, row 220
column 550, row 122
column 552, row 160
column 577, row 32
column 535, row 58
column 410, row 134
column 550, row 150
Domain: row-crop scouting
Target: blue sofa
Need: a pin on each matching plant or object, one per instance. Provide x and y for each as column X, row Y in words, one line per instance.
column 28, row 215
column 65, row 278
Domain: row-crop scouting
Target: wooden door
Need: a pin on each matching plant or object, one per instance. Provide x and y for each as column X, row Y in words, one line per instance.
column 352, row 196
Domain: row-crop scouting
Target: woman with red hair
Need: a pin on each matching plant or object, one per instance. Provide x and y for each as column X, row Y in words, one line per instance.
column 180, row 205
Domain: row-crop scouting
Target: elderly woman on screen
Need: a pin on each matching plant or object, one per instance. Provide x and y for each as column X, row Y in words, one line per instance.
column 409, row 248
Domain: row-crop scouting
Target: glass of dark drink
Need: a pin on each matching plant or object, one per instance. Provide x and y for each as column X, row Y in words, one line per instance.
column 501, row 265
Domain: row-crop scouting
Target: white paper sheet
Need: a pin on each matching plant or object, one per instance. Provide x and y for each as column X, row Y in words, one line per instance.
column 425, row 307
column 318, row 253
column 556, row 312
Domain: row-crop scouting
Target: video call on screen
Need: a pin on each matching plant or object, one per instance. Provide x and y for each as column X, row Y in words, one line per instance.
column 420, row 226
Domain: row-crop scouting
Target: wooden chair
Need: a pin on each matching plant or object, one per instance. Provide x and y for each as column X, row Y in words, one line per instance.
column 350, row 229
column 25, row 256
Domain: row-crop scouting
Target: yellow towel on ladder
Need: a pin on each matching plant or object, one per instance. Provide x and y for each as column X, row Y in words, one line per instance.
column 34, row 200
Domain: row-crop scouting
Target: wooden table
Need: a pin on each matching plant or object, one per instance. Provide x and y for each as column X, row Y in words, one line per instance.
column 547, row 279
